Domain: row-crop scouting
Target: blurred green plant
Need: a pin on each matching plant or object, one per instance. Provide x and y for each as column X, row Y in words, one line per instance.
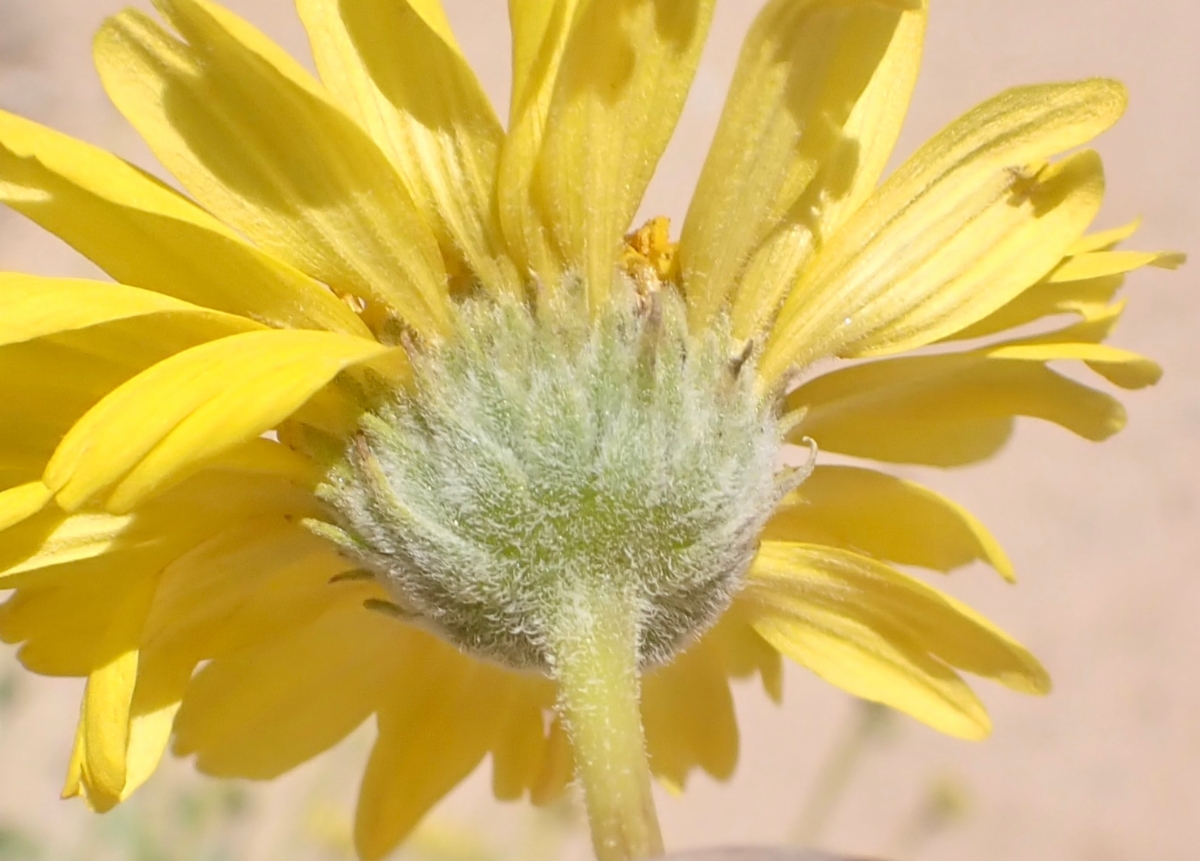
column 16, row 845
column 869, row 726
column 946, row 802
column 9, row 689
column 193, row 823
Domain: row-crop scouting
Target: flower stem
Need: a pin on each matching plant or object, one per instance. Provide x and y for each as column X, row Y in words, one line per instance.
column 594, row 645
column 869, row 723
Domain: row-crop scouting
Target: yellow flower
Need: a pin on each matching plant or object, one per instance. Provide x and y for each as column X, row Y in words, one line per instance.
column 390, row 420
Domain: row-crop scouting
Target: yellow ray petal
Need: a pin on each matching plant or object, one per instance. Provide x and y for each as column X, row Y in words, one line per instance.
column 63, row 627
column 1080, row 342
column 33, row 307
column 956, row 408
column 73, row 785
column 149, row 735
column 858, row 660
column 53, row 540
column 255, row 140
column 435, row 726
column 1083, row 283
column 396, row 69
column 884, row 517
column 78, row 620
column 1104, row 240
column 152, row 709
column 623, row 80
column 109, row 696
column 815, row 107
column 262, row 456
column 1089, row 299
column 103, row 207
column 72, row 572
column 883, row 636
column 540, row 33
column 1123, row 368
column 251, row 582
column 688, row 716
column 155, row 700
column 948, row 629
column 557, row 768
column 19, row 465
column 21, row 502
column 920, row 283
column 599, row 89
column 961, row 228
column 944, row 410
column 519, row 749
column 738, row 648
column 1097, row 264
column 204, row 401
column 48, row 383
column 186, row 514
column 255, row 714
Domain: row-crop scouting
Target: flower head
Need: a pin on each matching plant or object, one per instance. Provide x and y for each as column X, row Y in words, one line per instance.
column 391, row 416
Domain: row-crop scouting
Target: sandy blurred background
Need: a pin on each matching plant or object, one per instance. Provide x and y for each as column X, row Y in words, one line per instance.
column 1105, row 539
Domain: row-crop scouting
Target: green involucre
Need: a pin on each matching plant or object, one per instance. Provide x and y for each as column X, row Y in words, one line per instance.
column 539, row 455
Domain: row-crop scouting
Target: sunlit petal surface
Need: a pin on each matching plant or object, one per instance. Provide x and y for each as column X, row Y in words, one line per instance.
column 170, row 439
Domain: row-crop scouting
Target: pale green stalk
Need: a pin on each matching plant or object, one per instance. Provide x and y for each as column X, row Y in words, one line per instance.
column 596, row 666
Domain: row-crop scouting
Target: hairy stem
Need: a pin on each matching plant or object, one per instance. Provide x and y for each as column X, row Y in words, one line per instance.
column 595, row 654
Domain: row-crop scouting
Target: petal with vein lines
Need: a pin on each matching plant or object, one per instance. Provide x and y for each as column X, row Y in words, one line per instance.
column 104, row 207
column 256, row 141
column 204, row 401
column 956, row 232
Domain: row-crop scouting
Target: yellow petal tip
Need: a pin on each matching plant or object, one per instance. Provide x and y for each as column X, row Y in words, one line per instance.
column 1170, row 260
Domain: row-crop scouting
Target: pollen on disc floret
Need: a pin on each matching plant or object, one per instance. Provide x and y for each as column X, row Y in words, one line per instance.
column 541, row 451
